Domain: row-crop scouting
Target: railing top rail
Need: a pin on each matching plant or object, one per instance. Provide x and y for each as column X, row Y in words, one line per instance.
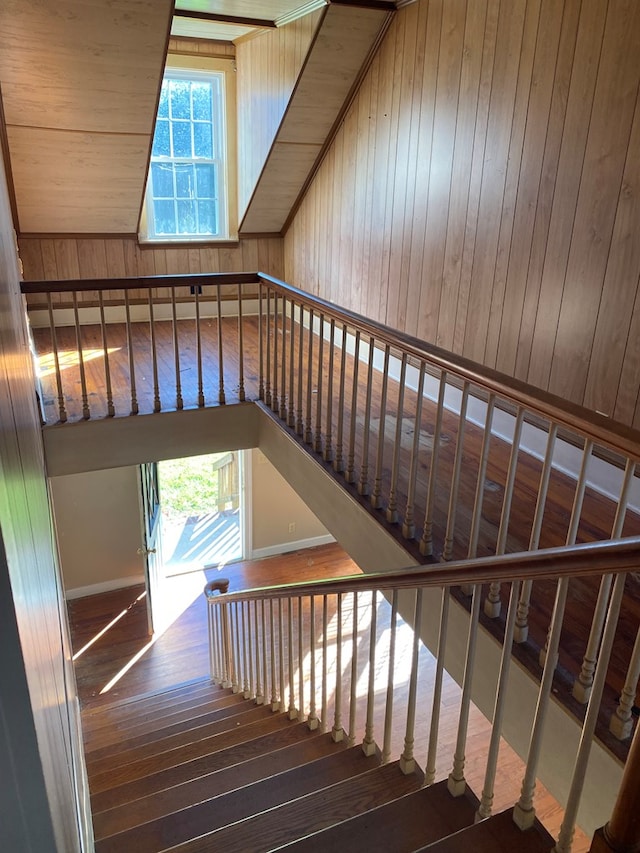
column 141, row 282
column 593, row 558
column 581, row 421
column 602, row 430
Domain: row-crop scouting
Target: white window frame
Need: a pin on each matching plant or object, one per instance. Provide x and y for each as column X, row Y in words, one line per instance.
column 199, row 68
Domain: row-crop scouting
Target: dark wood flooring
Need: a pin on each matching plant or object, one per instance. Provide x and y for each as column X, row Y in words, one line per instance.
column 596, row 519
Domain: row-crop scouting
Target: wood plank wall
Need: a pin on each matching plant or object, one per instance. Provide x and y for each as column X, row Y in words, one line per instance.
column 39, row 737
column 268, row 67
column 202, row 47
column 78, row 257
column 483, row 192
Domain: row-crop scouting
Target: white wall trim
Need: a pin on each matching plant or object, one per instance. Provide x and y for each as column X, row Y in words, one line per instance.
column 286, row 547
column 104, row 586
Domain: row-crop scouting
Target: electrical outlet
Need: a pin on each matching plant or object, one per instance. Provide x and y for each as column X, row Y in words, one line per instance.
column 292, row 527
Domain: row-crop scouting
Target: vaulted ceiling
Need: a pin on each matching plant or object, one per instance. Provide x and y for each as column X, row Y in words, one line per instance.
column 80, row 81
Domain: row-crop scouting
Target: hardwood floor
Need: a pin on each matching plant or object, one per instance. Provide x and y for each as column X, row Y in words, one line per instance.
column 181, row 654
column 596, row 519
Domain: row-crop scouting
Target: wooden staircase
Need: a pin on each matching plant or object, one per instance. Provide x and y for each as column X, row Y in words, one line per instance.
column 199, row 768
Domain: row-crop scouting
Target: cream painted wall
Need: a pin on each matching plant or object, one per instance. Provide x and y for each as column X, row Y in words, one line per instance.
column 97, row 519
column 275, row 506
column 89, row 507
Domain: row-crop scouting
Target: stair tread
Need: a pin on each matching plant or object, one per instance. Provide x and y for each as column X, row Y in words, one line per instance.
column 310, row 813
column 403, row 825
column 218, row 812
column 155, row 805
column 115, row 730
column 233, row 747
column 132, row 704
column 111, row 777
column 195, row 723
column 497, row 834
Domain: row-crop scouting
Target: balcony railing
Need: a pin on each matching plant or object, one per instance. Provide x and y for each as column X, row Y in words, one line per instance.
column 457, row 460
column 305, row 648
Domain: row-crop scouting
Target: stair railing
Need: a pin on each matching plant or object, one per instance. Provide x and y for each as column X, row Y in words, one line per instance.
column 418, row 433
column 333, row 643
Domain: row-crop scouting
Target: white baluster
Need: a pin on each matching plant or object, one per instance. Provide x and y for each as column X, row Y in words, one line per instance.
column 426, row 542
column 492, row 602
column 369, row 744
column 434, row 730
column 325, row 623
column 407, row 761
column 486, row 802
column 313, row 717
column 621, row 723
column 582, row 685
column 447, row 552
column 521, row 632
column 354, row 672
column 567, row 829
column 388, row 714
column 337, row 733
column 456, row 782
column 293, row 713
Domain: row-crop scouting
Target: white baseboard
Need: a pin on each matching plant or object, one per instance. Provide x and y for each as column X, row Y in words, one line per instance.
column 285, row 547
column 105, row 586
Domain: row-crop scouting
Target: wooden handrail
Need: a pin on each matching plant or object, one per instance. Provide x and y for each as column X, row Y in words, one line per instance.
column 585, row 422
column 593, row 558
column 139, row 282
column 610, row 434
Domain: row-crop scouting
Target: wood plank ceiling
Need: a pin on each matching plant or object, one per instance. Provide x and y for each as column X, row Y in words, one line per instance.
column 344, row 40
column 80, row 81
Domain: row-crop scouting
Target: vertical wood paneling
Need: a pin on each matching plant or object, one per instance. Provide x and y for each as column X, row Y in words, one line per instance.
column 40, row 742
column 482, row 192
column 268, row 67
column 607, row 149
column 116, row 258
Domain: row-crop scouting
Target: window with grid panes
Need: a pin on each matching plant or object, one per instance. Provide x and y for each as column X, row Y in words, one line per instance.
column 186, row 187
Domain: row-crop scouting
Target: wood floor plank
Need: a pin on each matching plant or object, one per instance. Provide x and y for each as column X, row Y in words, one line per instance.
column 148, row 722
column 243, row 803
column 311, row 746
column 182, row 754
column 498, row 834
column 310, row 813
column 403, row 825
column 263, row 737
column 174, row 734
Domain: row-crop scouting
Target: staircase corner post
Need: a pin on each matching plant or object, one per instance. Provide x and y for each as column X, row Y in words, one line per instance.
column 622, row 832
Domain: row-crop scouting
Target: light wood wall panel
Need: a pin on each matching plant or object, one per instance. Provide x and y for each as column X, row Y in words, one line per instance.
column 40, row 744
column 268, row 67
column 70, row 258
column 482, row 192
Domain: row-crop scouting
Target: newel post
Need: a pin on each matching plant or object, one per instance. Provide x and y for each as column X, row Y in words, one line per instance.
column 622, row 833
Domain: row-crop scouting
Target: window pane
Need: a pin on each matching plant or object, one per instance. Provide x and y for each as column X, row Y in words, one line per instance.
column 187, row 217
column 164, row 217
column 207, row 217
column 162, row 178
column 205, row 181
column 202, row 140
column 180, row 98
column 161, row 145
column 185, row 182
column 181, row 131
column 201, row 93
column 163, row 106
